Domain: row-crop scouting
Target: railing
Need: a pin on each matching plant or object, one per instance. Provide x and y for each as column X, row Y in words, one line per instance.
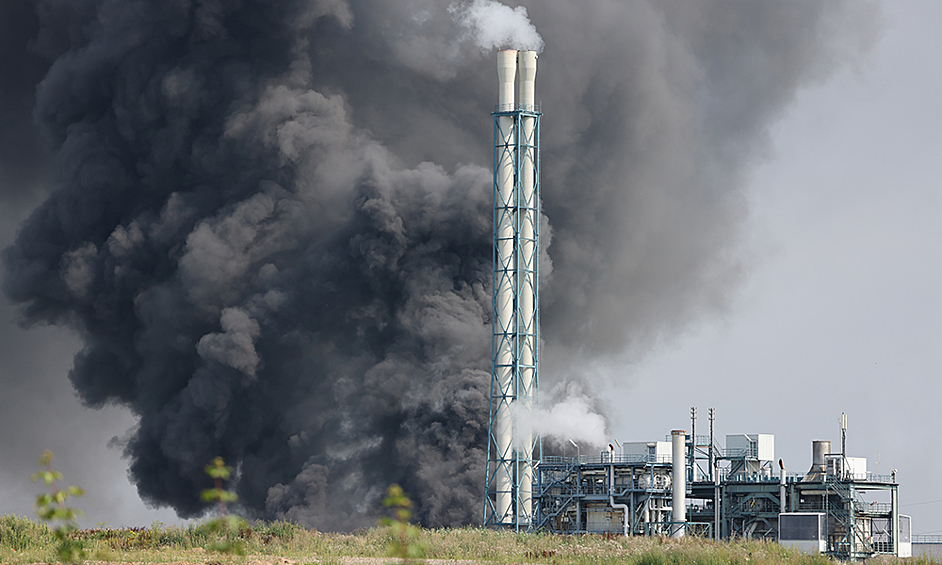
column 867, row 477
column 639, row 459
column 698, row 529
column 926, row 539
column 811, row 507
column 873, row 507
column 773, row 477
column 736, row 453
column 500, row 108
column 701, row 440
column 837, row 486
column 606, row 459
column 860, row 507
column 748, row 478
column 882, row 546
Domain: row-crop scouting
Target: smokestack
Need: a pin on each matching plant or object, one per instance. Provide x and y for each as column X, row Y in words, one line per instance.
column 516, row 291
column 679, row 469
column 504, row 270
column 819, row 451
column 528, row 220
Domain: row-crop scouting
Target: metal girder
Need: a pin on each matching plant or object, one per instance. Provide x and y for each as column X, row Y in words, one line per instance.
column 515, row 321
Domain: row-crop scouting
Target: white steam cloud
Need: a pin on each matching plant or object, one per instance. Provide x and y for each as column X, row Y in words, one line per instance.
column 492, row 25
column 572, row 418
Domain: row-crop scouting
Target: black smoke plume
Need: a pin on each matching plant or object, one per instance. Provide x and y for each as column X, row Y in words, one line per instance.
column 270, row 222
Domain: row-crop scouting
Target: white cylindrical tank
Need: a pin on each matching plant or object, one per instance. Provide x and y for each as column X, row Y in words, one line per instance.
column 679, row 493
column 505, row 272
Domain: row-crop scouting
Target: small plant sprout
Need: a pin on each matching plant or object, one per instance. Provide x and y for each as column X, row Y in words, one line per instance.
column 405, row 542
column 219, row 472
column 227, row 526
column 51, row 508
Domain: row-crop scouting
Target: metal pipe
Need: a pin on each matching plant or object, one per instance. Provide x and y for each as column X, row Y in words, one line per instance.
column 693, row 444
column 781, row 487
column 712, row 454
column 611, row 491
column 717, row 503
column 843, row 445
column 715, row 473
column 679, row 469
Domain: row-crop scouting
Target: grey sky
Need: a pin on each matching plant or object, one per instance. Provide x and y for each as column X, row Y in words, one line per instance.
column 842, row 310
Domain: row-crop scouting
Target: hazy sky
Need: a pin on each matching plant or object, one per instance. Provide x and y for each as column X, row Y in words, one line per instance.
column 842, row 311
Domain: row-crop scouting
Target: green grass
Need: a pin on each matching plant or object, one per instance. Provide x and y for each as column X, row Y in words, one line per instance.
column 23, row 541
column 21, row 534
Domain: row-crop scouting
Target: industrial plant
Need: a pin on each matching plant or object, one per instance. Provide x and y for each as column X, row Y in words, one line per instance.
column 685, row 484
column 689, row 484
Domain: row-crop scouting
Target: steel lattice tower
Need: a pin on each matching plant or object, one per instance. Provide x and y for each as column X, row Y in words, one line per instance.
column 515, row 320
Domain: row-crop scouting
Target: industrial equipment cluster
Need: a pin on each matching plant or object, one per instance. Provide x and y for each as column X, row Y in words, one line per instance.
column 687, row 484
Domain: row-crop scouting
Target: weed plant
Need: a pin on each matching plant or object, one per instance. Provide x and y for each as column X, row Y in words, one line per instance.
column 404, row 538
column 52, row 509
column 224, row 531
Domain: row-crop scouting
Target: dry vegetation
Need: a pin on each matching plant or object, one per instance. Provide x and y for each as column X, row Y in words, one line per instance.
column 24, row 541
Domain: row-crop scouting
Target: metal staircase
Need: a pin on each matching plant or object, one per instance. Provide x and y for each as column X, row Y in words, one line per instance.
column 855, row 544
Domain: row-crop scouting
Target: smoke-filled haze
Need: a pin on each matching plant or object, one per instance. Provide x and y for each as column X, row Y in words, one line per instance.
column 269, row 223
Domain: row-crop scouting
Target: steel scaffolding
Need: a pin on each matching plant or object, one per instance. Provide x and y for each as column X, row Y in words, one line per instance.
column 512, row 454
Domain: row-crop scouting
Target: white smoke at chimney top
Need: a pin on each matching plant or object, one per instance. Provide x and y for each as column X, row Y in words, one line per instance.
column 492, row 25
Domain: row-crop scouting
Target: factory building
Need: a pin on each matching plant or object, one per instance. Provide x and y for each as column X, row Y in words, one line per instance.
column 837, row 507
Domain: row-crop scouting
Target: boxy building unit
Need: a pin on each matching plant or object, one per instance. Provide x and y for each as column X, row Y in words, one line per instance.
column 806, row 531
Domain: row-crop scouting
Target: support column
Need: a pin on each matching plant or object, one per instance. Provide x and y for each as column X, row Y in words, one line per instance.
column 679, row 493
column 894, row 519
